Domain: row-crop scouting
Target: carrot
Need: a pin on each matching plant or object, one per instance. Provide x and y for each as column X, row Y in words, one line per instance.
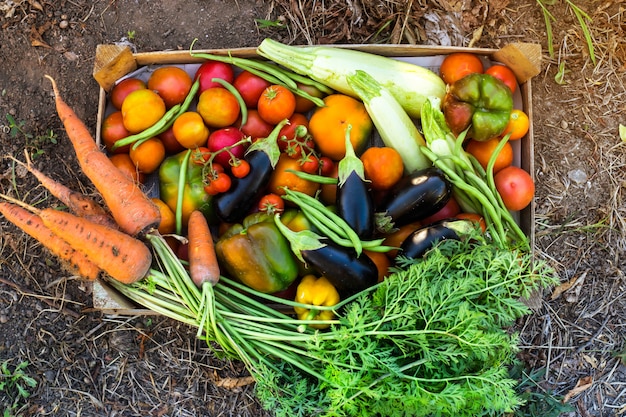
column 203, row 265
column 132, row 210
column 125, row 258
column 78, row 203
column 76, row 262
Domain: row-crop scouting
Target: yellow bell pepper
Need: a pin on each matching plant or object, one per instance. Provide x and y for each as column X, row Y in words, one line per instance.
column 316, row 292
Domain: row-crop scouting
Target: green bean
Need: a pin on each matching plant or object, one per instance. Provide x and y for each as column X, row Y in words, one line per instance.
column 159, row 127
column 320, row 179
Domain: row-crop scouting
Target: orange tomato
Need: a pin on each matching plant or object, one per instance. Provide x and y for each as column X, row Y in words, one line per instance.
column 476, row 218
column 381, row 261
column 123, row 162
column 148, row 155
column 141, row 109
column 459, row 64
column 383, row 167
column 515, row 186
column 113, row 130
column 328, row 125
column 168, row 218
column 171, row 83
column 518, row 125
column 276, row 104
column 483, row 150
column 218, row 107
column 190, row 131
column 282, row 178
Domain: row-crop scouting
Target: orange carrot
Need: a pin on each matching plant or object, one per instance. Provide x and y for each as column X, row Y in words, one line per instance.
column 131, row 208
column 120, row 255
column 79, row 204
column 76, row 262
column 203, row 265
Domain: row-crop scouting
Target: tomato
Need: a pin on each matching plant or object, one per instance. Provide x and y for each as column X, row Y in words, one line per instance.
column 476, row 218
column 310, row 163
column 504, row 74
column 328, row 126
column 226, row 137
column 123, row 162
column 255, row 126
column 271, row 203
column 190, row 130
column 113, row 130
column 459, row 64
column 213, row 69
column 451, row 209
column 282, row 177
column 483, row 150
column 328, row 192
column 219, row 184
column 172, row 146
column 141, row 109
column 124, row 88
column 518, row 125
column 240, row 168
column 289, row 131
column 515, row 186
column 218, row 107
column 148, row 155
column 383, row 166
column 327, row 166
column 304, row 105
column 167, row 224
column 250, row 87
column 276, row 104
column 171, row 83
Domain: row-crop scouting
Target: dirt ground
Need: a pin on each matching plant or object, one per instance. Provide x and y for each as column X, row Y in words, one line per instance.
column 89, row 364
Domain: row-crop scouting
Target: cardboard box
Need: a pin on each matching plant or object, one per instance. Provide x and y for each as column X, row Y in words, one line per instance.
column 114, row 62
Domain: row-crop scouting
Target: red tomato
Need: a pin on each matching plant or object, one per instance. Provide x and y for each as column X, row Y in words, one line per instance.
column 250, row 87
column 276, row 104
column 448, row 211
column 327, row 166
column 113, row 130
column 459, row 64
column 504, row 74
column 240, row 168
column 310, row 164
column 255, row 126
column 124, row 88
column 272, row 203
column 289, row 130
column 171, row 83
column 515, row 186
column 172, row 146
column 303, row 105
column 213, row 69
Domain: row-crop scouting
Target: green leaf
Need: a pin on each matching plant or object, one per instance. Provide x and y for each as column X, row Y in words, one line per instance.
column 622, row 132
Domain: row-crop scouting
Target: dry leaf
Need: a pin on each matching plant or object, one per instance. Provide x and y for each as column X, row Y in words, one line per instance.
column 232, row 383
column 576, row 281
column 581, row 385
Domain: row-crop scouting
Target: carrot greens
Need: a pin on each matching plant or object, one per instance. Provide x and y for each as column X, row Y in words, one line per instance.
column 429, row 340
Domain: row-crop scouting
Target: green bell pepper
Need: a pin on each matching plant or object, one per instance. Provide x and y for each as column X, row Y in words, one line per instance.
column 256, row 253
column 194, row 196
column 478, row 101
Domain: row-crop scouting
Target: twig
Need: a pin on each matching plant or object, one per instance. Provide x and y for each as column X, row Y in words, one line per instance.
column 22, row 291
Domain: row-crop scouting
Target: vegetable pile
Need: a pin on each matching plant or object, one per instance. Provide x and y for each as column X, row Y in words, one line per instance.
column 341, row 222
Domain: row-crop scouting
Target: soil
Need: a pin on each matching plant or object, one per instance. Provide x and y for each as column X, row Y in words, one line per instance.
column 90, row 364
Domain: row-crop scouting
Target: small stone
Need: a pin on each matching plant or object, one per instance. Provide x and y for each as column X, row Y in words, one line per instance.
column 63, row 24
column 578, row 176
column 3, row 318
column 564, row 124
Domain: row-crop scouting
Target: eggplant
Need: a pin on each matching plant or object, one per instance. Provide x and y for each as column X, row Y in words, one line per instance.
column 355, row 205
column 348, row 272
column 423, row 239
column 415, row 197
column 233, row 205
